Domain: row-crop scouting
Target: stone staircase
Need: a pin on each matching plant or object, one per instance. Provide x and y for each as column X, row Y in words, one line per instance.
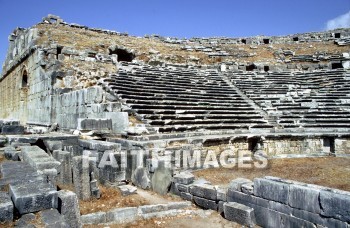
column 173, row 100
column 316, row 99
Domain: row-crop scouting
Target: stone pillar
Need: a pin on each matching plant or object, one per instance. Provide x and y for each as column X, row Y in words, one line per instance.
column 81, row 177
column 65, row 170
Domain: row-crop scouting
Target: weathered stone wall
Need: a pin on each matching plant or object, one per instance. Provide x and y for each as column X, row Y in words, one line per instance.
column 92, row 103
column 270, row 201
column 279, row 146
column 342, row 146
column 10, row 95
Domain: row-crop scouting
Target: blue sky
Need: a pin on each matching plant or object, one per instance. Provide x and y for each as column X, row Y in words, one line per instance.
column 180, row 18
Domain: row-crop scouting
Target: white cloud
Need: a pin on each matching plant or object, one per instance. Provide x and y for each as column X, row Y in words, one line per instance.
column 342, row 21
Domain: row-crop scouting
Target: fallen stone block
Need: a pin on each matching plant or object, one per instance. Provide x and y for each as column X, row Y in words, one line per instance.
column 141, row 178
column 127, row 190
column 205, row 203
column 6, row 208
column 33, row 197
column 335, row 205
column 26, row 220
column 184, row 178
column 122, row 215
column 161, row 179
column 38, row 158
column 239, row 213
column 94, row 218
column 271, row 190
column 204, row 190
column 68, row 205
column 11, row 153
column 52, row 218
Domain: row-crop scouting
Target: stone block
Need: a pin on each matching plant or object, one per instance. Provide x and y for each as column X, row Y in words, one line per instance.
column 94, row 218
column 152, row 208
column 174, row 189
column 120, row 121
column 12, row 130
column 127, row 190
column 6, row 208
column 161, row 179
column 52, row 218
column 246, row 199
column 53, row 145
column 271, row 190
column 183, row 187
column 33, row 197
column 68, row 205
column 26, row 220
column 204, row 190
column 38, row 158
column 236, row 184
column 221, row 208
column 205, row 203
column 186, row 196
column 248, row 188
column 221, row 193
column 141, row 178
column 81, row 177
column 11, row 153
column 239, row 213
column 95, row 124
column 291, row 222
column 335, row 205
column 122, row 215
column 65, row 169
column 304, row 198
column 184, row 178
column 317, row 219
column 99, row 145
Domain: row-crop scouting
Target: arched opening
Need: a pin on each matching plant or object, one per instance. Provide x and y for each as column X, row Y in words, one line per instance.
column 24, row 79
column 266, row 68
column 244, row 41
column 122, row 54
column 250, row 67
column 337, row 65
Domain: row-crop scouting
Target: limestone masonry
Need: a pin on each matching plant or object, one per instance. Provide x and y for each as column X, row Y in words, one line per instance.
column 73, row 98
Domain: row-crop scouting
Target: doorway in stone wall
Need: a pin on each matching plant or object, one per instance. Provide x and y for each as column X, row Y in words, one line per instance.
column 24, row 84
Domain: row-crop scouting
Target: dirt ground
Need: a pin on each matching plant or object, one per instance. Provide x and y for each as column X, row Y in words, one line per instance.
column 330, row 172
column 112, row 198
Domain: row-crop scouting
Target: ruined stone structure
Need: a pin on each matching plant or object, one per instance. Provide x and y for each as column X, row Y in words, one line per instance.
column 67, row 91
